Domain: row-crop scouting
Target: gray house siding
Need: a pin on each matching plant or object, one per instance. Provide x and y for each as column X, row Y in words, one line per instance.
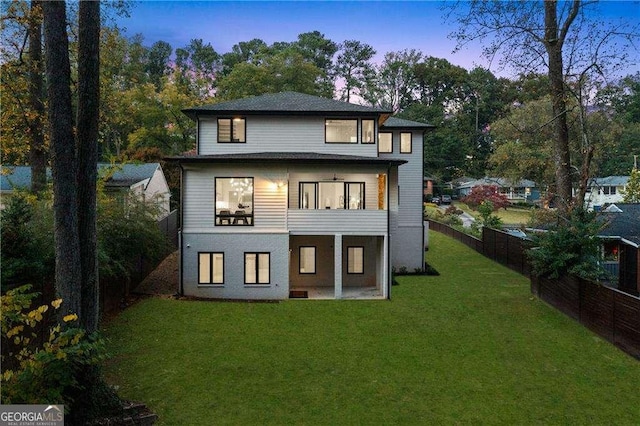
column 279, row 134
column 407, row 226
column 234, row 246
column 270, row 203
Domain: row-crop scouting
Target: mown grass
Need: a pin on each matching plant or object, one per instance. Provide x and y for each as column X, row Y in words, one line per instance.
column 511, row 216
column 468, row 346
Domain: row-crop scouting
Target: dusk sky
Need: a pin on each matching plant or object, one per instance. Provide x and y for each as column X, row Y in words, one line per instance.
column 386, row 26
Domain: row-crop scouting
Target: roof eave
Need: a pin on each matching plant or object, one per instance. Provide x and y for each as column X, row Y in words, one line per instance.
column 200, row 159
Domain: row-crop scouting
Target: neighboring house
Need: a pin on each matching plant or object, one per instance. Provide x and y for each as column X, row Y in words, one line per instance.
column 427, row 187
column 523, row 191
column 293, row 195
column 144, row 180
column 607, row 190
column 621, row 236
column 455, row 183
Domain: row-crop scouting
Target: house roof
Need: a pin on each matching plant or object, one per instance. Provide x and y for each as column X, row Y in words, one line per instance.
column 286, row 157
column 609, row 181
column 128, row 174
column 124, row 175
column 401, row 123
column 623, row 222
column 501, row 182
column 284, row 103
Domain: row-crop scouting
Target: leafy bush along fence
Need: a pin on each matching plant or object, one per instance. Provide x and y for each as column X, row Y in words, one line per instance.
column 612, row 314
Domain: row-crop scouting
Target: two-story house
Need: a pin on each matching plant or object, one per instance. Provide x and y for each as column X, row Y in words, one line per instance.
column 292, row 195
column 603, row 191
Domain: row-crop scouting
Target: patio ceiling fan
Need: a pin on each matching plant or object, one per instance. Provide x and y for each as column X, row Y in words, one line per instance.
column 333, row 179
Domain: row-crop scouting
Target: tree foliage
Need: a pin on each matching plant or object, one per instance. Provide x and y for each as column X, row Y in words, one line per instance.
column 563, row 40
column 632, row 190
column 569, row 246
column 486, row 193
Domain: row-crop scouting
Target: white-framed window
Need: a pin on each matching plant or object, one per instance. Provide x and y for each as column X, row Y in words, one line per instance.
column 405, row 143
column 368, row 134
column 307, row 260
column 234, row 201
column 257, row 268
column 341, row 130
column 385, row 142
column 355, row 260
column 210, row 268
column 232, row 130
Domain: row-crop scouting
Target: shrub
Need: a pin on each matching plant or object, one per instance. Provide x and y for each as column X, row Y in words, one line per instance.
column 482, row 193
column 489, row 220
column 27, row 242
column 570, row 246
column 43, row 365
column 127, row 233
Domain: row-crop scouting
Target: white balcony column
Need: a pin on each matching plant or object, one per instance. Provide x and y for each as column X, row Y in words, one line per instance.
column 337, row 253
column 384, row 262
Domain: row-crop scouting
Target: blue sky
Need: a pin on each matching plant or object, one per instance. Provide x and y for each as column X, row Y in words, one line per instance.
column 385, row 25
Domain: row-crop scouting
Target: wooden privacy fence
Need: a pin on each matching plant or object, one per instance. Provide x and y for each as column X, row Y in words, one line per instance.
column 169, row 226
column 506, row 249
column 612, row 314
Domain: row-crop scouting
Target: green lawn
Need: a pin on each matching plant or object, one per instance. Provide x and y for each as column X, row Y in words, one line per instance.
column 510, row 216
column 468, row 346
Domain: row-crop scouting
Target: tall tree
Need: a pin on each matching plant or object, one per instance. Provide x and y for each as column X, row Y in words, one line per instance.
column 559, row 37
column 63, row 156
column 87, row 146
column 352, row 66
column 393, row 82
column 157, row 65
column 37, row 150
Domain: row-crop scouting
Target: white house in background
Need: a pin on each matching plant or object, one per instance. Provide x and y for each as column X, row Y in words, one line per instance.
column 606, row 190
column 144, row 180
column 292, row 195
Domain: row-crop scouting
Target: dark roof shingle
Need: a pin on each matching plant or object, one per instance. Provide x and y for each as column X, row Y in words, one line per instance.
column 284, row 102
column 285, row 157
column 401, row 123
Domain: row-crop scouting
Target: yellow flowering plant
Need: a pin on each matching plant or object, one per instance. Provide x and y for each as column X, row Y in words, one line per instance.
column 40, row 363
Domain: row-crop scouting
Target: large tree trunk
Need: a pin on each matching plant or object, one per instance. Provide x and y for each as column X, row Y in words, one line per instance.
column 554, row 40
column 63, row 161
column 87, row 131
column 37, row 151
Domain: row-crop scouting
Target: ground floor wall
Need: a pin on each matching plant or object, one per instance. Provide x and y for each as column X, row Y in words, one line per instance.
column 215, row 265
column 234, row 246
column 407, row 248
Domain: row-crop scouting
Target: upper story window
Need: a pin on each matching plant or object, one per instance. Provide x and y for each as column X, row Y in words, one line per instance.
column 368, row 131
column 232, row 130
column 405, row 143
column 341, row 131
column 234, row 201
column 609, row 190
column 385, row 142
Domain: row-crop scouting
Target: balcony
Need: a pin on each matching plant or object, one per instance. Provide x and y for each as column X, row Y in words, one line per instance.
column 331, row 221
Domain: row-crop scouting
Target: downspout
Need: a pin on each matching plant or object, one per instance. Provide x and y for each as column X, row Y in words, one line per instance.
column 389, row 274
column 180, row 239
